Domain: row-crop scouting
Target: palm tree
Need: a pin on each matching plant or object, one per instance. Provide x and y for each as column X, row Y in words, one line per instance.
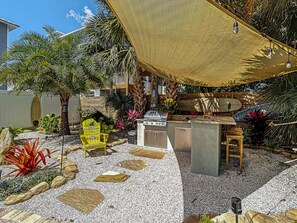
column 108, row 43
column 51, row 65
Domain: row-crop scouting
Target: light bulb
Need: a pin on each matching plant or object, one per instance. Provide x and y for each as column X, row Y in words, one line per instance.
column 289, row 64
column 235, row 27
column 270, row 51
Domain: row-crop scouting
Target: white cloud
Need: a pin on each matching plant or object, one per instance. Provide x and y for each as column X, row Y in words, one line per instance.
column 82, row 19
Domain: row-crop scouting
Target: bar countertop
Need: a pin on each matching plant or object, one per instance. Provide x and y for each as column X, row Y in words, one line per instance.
column 216, row 120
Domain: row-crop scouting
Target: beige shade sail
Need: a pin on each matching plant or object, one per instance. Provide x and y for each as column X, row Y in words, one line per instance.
column 192, row 42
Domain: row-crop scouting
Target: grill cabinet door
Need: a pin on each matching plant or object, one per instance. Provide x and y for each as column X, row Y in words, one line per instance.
column 155, row 138
column 182, row 139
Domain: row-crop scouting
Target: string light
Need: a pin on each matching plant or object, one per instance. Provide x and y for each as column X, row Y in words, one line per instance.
column 235, row 27
column 270, row 51
column 289, row 64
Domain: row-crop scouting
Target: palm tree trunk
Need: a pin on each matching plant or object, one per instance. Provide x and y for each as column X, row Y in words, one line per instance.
column 64, row 125
column 138, row 92
column 172, row 92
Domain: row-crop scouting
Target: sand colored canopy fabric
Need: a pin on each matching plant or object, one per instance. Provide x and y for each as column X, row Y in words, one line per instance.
column 192, row 42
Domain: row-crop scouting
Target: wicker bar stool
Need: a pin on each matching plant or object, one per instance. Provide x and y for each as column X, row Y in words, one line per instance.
column 234, row 134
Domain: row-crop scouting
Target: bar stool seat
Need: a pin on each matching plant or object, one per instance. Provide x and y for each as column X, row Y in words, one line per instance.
column 234, row 134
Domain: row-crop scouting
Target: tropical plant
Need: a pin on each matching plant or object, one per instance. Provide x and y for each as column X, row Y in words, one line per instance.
column 94, row 114
column 14, row 131
column 49, row 123
column 120, row 102
column 120, row 124
column 105, row 128
column 205, row 219
column 132, row 115
column 27, row 158
column 258, row 123
column 52, row 65
column 110, row 46
column 282, row 93
column 271, row 142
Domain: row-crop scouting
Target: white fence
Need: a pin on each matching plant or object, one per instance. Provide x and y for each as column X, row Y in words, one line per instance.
column 15, row 109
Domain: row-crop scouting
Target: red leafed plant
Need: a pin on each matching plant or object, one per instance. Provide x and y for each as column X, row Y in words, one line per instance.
column 132, row 115
column 120, row 124
column 26, row 158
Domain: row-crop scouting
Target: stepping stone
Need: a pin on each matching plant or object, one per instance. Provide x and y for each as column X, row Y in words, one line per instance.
column 148, row 153
column 133, row 164
column 84, row 200
column 110, row 177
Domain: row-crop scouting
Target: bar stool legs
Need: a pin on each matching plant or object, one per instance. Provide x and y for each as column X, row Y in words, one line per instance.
column 234, row 153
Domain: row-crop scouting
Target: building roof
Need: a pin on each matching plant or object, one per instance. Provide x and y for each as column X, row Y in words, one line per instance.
column 74, row 31
column 11, row 26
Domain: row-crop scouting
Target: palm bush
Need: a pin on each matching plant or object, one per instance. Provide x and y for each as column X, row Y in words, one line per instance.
column 121, row 102
column 282, row 93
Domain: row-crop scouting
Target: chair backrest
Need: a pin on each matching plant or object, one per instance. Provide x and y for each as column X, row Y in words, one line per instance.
column 91, row 130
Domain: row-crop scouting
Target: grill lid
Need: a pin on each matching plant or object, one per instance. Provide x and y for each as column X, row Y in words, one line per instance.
column 156, row 115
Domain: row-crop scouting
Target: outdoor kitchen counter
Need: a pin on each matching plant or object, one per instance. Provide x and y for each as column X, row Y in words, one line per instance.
column 206, row 143
column 200, row 135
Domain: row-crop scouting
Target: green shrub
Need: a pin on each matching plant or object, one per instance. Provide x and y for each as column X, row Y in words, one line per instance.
column 96, row 115
column 107, row 128
column 49, row 123
column 205, row 219
column 271, row 142
column 23, row 184
column 14, row 131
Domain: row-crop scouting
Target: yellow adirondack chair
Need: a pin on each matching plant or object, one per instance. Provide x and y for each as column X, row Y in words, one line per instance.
column 92, row 138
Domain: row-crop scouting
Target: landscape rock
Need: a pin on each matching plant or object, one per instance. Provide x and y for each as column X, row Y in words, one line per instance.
column 281, row 218
column 291, row 214
column 6, row 140
column 58, row 181
column 116, row 143
column 228, row 217
column 69, row 175
column 40, row 188
column 74, row 148
column 257, row 217
column 14, row 199
column 67, row 163
column 72, row 168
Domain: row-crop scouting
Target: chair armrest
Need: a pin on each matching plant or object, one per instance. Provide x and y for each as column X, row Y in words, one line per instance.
column 83, row 140
column 105, row 136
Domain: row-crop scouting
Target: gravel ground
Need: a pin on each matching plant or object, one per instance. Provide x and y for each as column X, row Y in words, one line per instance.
column 153, row 194
column 207, row 194
column 166, row 190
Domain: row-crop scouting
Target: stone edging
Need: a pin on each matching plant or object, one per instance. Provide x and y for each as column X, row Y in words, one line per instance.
column 69, row 170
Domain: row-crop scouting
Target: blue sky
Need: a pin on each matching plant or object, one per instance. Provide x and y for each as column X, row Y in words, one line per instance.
column 32, row 15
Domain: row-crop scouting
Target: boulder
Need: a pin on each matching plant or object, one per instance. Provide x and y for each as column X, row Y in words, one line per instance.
column 67, row 163
column 281, row 218
column 14, row 199
column 40, row 188
column 6, row 140
column 74, row 148
column 257, row 217
column 228, row 217
column 69, row 175
column 291, row 214
column 71, row 169
column 58, row 181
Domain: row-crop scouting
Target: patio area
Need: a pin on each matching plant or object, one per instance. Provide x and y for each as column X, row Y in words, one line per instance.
column 164, row 191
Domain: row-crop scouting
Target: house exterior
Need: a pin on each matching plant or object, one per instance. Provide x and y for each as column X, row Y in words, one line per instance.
column 5, row 28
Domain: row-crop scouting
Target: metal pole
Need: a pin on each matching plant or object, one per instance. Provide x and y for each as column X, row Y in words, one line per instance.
column 236, row 218
column 63, row 133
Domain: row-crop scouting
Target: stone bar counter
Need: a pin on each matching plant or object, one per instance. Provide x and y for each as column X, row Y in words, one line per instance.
column 200, row 135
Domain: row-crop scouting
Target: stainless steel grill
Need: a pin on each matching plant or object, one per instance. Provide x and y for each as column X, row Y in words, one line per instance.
column 155, row 118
